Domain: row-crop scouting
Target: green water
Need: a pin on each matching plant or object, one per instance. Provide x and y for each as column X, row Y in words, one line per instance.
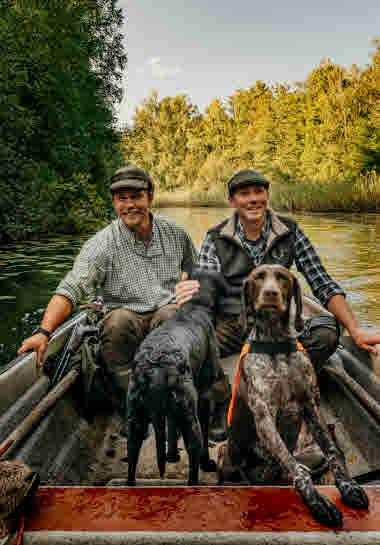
column 29, row 272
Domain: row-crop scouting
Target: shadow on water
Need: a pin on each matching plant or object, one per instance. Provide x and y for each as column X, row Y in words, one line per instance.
column 29, row 272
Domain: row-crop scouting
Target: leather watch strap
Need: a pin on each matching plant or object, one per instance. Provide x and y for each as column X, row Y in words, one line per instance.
column 43, row 331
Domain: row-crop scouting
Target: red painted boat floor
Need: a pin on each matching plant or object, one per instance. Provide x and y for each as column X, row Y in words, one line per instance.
column 254, row 509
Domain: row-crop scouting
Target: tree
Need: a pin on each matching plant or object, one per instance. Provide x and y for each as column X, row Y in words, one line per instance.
column 368, row 138
column 57, row 90
column 161, row 140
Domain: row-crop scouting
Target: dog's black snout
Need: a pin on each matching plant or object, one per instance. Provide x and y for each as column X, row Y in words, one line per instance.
column 270, row 292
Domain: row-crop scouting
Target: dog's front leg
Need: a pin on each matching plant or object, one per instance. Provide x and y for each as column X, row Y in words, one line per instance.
column 353, row 494
column 204, row 415
column 172, row 456
column 137, row 427
column 189, row 426
column 322, row 509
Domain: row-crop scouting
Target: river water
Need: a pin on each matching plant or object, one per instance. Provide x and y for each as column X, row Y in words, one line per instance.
column 349, row 246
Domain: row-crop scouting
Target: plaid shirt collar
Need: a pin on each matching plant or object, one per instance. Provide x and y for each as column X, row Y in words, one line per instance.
column 255, row 248
column 264, row 232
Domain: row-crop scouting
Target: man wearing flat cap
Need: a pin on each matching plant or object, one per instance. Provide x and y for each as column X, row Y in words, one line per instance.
column 256, row 235
column 137, row 259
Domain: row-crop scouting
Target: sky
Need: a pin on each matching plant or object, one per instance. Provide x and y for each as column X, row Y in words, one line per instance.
column 209, row 49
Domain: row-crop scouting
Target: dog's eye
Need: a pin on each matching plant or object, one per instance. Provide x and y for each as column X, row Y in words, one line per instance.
column 260, row 276
column 282, row 277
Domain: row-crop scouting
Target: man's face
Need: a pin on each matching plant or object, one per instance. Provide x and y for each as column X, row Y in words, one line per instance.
column 132, row 206
column 251, row 202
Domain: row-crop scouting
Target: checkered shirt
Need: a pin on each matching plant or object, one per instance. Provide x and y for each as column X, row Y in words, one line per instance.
column 134, row 275
column 307, row 260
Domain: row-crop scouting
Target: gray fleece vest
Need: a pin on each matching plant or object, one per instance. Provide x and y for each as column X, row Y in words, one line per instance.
column 236, row 262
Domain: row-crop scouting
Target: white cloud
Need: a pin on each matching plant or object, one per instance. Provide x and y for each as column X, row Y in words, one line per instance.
column 159, row 70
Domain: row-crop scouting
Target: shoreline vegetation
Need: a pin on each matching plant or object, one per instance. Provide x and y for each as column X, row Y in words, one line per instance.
column 361, row 195
column 317, row 141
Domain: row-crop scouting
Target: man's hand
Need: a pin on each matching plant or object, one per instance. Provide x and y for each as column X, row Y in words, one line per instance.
column 58, row 309
column 37, row 342
column 365, row 338
column 185, row 289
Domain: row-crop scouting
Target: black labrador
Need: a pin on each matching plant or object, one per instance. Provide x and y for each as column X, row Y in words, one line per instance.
column 174, row 368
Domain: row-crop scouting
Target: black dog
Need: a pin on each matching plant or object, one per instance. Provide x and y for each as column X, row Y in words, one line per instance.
column 174, row 368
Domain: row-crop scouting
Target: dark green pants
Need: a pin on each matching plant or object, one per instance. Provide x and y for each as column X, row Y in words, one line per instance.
column 121, row 332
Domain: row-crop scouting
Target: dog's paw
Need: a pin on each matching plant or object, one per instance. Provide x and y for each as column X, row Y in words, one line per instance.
column 353, row 495
column 325, row 511
column 322, row 509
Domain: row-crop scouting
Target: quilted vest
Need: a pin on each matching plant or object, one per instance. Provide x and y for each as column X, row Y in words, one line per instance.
column 236, row 262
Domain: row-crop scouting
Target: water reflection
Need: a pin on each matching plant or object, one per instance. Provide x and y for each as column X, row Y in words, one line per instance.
column 347, row 244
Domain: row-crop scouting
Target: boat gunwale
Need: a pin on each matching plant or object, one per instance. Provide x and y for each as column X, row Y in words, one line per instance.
column 67, row 325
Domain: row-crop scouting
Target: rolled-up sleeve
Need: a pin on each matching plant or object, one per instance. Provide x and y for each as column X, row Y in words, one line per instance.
column 88, row 271
column 309, row 264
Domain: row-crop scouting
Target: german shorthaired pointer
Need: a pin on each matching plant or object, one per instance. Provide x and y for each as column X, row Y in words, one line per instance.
column 276, row 391
column 173, row 371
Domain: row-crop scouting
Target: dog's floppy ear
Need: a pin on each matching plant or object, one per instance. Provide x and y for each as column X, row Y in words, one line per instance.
column 246, row 301
column 298, row 322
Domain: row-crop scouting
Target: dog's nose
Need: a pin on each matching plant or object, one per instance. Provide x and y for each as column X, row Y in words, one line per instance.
column 270, row 292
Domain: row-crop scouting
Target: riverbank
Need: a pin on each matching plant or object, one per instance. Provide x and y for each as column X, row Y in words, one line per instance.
column 360, row 195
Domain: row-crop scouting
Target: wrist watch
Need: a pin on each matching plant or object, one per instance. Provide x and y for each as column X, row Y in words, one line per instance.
column 43, row 331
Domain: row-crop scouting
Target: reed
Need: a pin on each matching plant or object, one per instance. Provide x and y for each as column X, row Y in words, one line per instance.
column 360, row 195
column 209, row 188
column 190, row 197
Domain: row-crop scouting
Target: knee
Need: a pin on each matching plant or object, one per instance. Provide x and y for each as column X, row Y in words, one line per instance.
column 163, row 314
column 120, row 319
column 321, row 344
column 327, row 340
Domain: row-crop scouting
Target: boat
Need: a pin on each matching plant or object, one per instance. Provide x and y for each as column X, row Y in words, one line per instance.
column 82, row 463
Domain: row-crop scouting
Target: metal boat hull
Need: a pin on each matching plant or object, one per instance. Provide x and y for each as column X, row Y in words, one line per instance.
column 83, row 465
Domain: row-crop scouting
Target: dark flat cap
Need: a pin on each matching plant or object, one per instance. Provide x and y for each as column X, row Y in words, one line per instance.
column 244, row 178
column 131, row 178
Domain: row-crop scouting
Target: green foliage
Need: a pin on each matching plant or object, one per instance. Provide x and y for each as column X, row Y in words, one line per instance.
column 59, row 78
column 320, row 137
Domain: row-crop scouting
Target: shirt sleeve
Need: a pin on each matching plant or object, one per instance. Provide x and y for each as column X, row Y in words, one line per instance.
column 309, row 264
column 208, row 258
column 88, row 271
column 190, row 254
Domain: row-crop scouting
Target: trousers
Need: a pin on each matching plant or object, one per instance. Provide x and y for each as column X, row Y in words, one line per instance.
column 121, row 332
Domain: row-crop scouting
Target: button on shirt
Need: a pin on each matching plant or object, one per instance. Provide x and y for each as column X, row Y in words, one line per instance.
column 134, row 274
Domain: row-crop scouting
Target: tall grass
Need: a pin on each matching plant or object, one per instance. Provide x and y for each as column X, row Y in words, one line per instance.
column 360, row 195
column 210, row 189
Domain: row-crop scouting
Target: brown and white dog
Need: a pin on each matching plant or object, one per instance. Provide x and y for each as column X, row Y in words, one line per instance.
column 277, row 391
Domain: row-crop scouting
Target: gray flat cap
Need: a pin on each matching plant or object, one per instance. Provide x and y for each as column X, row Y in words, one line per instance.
column 244, row 178
column 131, row 178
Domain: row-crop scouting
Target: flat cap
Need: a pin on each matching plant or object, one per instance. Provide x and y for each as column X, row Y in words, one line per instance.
column 244, row 178
column 131, row 178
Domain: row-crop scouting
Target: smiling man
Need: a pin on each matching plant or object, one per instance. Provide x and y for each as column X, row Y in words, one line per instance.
column 137, row 259
column 256, row 235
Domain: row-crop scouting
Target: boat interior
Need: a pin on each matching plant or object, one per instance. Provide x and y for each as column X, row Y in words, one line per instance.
column 70, row 447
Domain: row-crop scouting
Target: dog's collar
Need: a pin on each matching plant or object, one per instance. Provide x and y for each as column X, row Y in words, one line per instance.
column 284, row 347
